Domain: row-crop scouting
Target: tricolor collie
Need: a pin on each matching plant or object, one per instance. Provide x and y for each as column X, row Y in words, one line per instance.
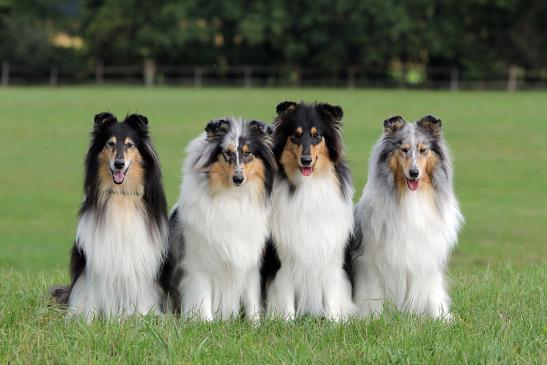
column 121, row 237
column 311, row 213
column 406, row 221
column 219, row 227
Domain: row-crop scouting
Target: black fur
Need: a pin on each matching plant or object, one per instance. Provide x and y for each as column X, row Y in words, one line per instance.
column 328, row 121
column 105, row 126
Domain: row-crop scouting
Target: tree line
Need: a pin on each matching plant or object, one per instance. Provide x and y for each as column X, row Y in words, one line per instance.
column 481, row 38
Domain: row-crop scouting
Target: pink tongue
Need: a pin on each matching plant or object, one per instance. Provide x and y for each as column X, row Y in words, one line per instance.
column 306, row 171
column 412, row 184
column 119, row 176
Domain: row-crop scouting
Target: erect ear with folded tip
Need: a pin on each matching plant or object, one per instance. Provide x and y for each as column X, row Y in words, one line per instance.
column 393, row 124
column 286, row 107
column 103, row 119
column 260, row 128
column 216, row 128
column 137, row 121
column 431, row 125
column 334, row 111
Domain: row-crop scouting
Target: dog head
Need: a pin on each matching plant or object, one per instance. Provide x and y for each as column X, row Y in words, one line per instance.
column 307, row 137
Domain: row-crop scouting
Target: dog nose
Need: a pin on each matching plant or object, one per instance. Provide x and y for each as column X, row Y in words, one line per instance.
column 414, row 173
column 119, row 164
column 237, row 179
column 306, row 160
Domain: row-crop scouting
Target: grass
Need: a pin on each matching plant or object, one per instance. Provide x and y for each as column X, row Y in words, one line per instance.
column 498, row 271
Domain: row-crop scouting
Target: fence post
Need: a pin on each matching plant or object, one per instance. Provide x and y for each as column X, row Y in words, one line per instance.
column 512, row 81
column 352, row 71
column 149, row 73
column 198, row 77
column 5, row 74
column 99, row 72
column 53, row 76
column 248, row 76
column 454, row 79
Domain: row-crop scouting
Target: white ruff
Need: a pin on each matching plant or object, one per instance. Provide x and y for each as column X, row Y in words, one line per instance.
column 123, row 258
column 224, row 236
column 406, row 248
column 310, row 229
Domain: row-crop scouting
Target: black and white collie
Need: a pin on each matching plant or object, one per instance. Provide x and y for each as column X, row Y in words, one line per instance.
column 219, row 227
column 121, row 238
column 311, row 219
column 407, row 221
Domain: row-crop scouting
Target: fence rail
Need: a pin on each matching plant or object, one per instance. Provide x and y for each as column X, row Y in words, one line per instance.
column 150, row 74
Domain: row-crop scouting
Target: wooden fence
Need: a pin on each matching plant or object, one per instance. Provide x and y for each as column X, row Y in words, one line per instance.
column 149, row 74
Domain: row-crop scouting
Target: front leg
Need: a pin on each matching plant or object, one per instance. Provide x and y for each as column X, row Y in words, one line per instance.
column 337, row 296
column 196, row 296
column 280, row 302
column 369, row 294
column 251, row 296
column 438, row 301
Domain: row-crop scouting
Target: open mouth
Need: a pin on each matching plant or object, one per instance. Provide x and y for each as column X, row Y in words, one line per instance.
column 413, row 184
column 118, row 176
column 306, row 171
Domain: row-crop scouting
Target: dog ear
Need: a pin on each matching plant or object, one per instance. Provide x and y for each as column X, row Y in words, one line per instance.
column 260, row 128
column 217, row 128
column 137, row 121
column 103, row 119
column 286, row 107
column 393, row 124
column 431, row 125
column 334, row 111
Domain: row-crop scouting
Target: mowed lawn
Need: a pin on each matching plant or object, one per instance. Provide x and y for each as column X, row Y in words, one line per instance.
column 498, row 271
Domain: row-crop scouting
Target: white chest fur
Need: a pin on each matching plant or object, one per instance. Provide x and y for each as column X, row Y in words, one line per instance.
column 123, row 257
column 310, row 226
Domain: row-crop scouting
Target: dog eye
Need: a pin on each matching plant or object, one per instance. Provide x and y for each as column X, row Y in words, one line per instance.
column 129, row 145
column 404, row 150
column 110, row 143
column 316, row 135
column 423, row 151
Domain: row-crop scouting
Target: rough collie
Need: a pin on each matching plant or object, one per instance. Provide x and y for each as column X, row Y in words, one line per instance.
column 219, row 227
column 121, row 238
column 311, row 218
column 407, row 221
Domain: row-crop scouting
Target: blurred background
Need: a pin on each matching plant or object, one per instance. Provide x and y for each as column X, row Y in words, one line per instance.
column 448, row 44
column 183, row 63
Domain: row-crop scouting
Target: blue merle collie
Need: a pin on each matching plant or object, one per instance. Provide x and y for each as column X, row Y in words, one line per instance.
column 121, row 238
column 219, row 227
column 407, row 221
column 311, row 213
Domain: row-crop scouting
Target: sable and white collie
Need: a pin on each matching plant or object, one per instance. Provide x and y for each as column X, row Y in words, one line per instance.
column 311, row 218
column 219, row 227
column 407, row 221
column 121, row 239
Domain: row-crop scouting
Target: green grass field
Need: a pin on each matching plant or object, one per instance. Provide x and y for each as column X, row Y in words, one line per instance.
column 498, row 271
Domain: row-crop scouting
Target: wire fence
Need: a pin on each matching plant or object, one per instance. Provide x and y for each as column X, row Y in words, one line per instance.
column 150, row 74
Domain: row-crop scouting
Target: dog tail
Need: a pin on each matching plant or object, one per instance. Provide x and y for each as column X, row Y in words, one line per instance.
column 60, row 294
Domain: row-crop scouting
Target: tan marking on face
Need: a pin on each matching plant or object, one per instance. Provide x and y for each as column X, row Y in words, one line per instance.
column 290, row 157
column 231, row 147
column 255, row 174
column 220, row 174
column 402, row 162
column 134, row 176
column 292, row 152
column 245, row 148
column 299, row 131
column 320, row 158
column 313, row 131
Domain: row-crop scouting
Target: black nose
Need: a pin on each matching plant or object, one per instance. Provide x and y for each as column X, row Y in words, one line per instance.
column 238, row 179
column 305, row 160
column 414, row 173
column 119, row 164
